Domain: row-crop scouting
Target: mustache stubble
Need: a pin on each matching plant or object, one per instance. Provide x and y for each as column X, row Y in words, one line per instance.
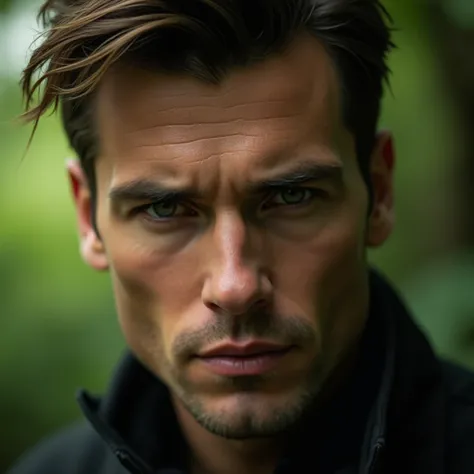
column 285, row 330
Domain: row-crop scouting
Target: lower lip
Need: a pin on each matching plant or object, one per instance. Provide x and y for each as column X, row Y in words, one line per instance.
column 241, row 366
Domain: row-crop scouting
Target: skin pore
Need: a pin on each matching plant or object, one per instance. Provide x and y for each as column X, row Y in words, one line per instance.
column 233, row 213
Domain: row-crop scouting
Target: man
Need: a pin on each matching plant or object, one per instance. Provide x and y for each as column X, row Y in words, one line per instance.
column 230, row 176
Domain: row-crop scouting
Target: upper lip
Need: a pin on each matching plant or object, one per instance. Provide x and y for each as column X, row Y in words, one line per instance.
column 249, row 349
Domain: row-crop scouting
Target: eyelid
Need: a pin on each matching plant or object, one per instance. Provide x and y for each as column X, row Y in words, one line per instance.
column 296, row 187
column 314, row 194
column 164, row 200
column 183, row 211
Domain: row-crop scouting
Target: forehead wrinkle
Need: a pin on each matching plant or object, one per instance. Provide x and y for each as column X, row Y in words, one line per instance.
column 213, row 108
column 178, row 142
column 196, row 141
column 241, row 147
column 186, row 140
column 196, row 120
column 183, row 126
column 191, row 110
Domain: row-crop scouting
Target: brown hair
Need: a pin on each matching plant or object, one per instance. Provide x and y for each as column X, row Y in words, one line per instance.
column 204, row 39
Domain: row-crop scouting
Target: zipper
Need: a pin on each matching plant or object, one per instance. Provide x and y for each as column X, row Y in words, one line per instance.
column 376, row 461
column 128, row 462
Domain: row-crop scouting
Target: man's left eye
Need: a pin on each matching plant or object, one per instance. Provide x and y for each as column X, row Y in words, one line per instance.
column 291, row 197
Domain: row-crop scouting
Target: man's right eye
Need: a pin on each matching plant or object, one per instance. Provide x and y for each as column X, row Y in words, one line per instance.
column 164, row 210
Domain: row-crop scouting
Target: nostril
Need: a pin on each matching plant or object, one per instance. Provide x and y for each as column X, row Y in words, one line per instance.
column 238, row 310
column 260, row 304
column 212, row 306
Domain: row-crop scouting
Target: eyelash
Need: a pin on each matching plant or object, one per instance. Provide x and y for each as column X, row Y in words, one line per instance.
column 313, row 193
column 143, row 210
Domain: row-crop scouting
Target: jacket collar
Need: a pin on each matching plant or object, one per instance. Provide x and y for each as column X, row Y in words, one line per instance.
column 137, row 419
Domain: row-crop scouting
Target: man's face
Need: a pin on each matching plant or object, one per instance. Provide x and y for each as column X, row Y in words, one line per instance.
column 233, row 219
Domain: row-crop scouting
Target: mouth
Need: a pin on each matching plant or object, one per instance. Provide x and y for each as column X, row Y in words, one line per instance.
column 254, row 358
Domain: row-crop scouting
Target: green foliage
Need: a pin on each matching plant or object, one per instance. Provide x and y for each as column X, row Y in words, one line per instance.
column 58, row 326
column 5, row 5
column 461, row 12
column 442, row 297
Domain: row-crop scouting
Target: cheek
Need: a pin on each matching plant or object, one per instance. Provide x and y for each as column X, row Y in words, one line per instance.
column 325, row 280
column 324, row 271
column 153, row 291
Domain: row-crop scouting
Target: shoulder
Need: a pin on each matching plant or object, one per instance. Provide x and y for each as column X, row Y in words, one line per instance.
column 459, row 386
column 76, row 450
column 459, row 390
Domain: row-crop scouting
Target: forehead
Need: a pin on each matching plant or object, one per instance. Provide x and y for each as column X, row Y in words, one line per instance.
column 258, row 117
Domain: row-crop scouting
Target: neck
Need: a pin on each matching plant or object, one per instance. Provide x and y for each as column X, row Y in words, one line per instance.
column 212, row 454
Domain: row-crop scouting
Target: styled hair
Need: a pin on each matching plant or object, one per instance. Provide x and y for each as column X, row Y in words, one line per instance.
column 204, row 39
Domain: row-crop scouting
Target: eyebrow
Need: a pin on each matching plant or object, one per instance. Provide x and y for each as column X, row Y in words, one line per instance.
column 144, row 189
column 304, row 173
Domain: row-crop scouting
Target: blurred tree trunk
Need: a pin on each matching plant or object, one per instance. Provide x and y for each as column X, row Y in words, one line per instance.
column 451, row 24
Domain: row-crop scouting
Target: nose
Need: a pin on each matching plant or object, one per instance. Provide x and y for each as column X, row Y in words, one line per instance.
column 236, row 281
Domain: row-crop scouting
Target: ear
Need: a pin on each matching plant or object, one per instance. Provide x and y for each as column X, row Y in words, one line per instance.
column 382, row 216
column 91, row 246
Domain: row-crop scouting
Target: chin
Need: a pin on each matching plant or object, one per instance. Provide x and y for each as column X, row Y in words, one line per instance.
column 249, row 414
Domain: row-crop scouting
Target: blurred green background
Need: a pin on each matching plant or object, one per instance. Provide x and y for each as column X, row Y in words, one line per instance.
column 58, row 329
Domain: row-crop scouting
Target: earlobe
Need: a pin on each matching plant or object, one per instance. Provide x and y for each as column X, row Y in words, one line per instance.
column 93, row 252
column 382, row 217
column 91, row 246
column 381, row 224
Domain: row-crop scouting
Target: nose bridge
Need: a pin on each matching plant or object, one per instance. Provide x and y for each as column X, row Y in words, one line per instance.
column 235, row 279
column 231, row 240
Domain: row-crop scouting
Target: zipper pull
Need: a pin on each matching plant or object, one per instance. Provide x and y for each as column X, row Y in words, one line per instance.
column 131, row 464
column 376, row 462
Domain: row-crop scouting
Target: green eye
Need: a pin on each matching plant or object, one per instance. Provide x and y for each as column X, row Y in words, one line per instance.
column 292, row 197
column 163, row 210
column 166, row 211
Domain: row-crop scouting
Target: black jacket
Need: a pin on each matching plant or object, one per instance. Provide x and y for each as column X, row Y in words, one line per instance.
column 403, row 411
